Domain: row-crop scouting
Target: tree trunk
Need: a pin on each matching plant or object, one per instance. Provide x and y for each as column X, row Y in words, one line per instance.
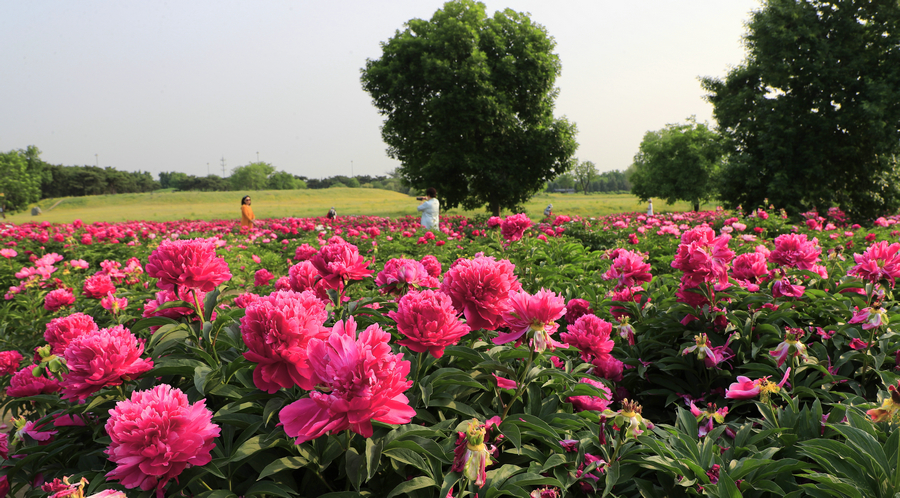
column 495, row 209
column 696, row 206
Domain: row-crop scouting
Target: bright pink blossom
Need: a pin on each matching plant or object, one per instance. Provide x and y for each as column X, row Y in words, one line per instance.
column 593, row 403
column 58, row 299
column 432, row 265
column 305, row 252
column 98, row 286
column 61, row 331
column 113, row 303
column 480, row 287
column 23, row 383
column 871, row 318
column 428, row 322
column 360, row 380
column 533, row 313
column 402, row 275
column 262, row 277
column 607, row 367
column 304, row 276
column 591, row 335
column 880, row 261
column 744, row 388
column 277, row 329
column 750, row 267
column 629, row 270
column 105, row 357
column 791, row 346
column 784, row 288
column 9, row 362
column 703, row 257
column 187, row 263
column 795, row 251
column 151, row 307
column 339, row 263
column 156, row 435
column 8, row 253
column 514, row 226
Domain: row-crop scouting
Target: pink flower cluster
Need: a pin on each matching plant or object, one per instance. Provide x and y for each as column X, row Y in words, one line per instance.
column 358, row 380
column 428, row 322
column 514, row 226
column 156, row 435
column 402, row 275
column 187, row 263
column 100, row 358
column 480, row 288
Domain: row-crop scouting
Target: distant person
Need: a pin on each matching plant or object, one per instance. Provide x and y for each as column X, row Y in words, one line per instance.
column 650, row 207
column 332, row 214
column 548, row 211
column 247, row 218
column 430, row 209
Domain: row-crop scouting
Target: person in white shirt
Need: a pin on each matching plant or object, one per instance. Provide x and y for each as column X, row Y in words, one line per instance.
column 650, row 207
column 430, row 209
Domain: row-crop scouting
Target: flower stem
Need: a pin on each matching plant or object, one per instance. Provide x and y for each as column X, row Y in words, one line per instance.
column 520, row 388
column 865, row 372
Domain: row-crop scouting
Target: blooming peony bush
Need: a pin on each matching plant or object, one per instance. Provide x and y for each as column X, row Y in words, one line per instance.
column 717, row 354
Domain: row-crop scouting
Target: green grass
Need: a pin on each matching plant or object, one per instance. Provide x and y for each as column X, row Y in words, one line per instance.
column 167, row 206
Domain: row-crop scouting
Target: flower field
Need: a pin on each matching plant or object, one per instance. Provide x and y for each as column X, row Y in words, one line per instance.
column 684, row 354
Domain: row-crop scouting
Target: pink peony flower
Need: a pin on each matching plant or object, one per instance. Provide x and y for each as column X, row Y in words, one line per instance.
column 577, row 308
column 23, row 383
column 8, row 253
column 304, row 276
column 105, row 357
column 113, row 303
column 480, row 287
column 432, row 265
column 262, row 277
column 305, row 252
column 360, row 381
column 880, row 261
column 402, row 275
column 187, row 263
column 784, row 288
column 871, row 318
column 428, row 321
column 795, row 251
column 607, row 367
column 703, row 257
column 538, row 314
column 339, row 263
column 514, row 226
column 151, row 308
column 629, row 270
column 744, row 388
column 58, row 299
column 590, row 335
column 245, row 299
column 791, row 346
column 156, row 434
column 61, row 331
column 98, row 286
column 593, row 403
column 9, row 362
column 858, row 344
column 750, row 267
column 277, row 329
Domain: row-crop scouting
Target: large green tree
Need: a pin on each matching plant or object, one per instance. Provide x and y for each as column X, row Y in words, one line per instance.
column 585, row 173
column 253, row 176
column 678, row 162
column 21, row 172
column 468, row 105
column 812, row 116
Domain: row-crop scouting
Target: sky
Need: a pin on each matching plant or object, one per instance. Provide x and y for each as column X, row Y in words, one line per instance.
column 181, row 85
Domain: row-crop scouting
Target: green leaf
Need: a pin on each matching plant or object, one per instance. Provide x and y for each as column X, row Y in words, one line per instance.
column 286, row 463
column 269, row 488
column 373, row 456
column 412, row 485
column 252, row 446
column 353, row 464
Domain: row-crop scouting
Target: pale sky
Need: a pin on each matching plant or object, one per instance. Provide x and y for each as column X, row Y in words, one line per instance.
column 176, row 86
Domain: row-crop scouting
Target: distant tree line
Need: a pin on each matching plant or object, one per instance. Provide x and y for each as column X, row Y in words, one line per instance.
column 608, row 181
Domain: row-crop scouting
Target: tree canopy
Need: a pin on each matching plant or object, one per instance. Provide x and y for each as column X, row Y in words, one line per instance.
column 253, row 176
column 678, row 162
column 21, row 172
column 468, row 105
column 812, row 116
column 585, row 173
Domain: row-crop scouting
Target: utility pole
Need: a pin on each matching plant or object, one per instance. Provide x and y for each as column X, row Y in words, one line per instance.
column 207, row 169
column 223, row 166
column 351, row 168
column 97, row 158
column 257, row 156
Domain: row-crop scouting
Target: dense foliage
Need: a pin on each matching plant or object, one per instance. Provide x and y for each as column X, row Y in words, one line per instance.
column 468, row 105
column 812, row 116
column 709, row 354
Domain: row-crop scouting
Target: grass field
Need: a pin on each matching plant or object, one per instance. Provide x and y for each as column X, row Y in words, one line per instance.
column 167, row 206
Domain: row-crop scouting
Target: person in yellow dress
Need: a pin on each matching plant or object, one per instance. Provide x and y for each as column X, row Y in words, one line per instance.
column 247, row 218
